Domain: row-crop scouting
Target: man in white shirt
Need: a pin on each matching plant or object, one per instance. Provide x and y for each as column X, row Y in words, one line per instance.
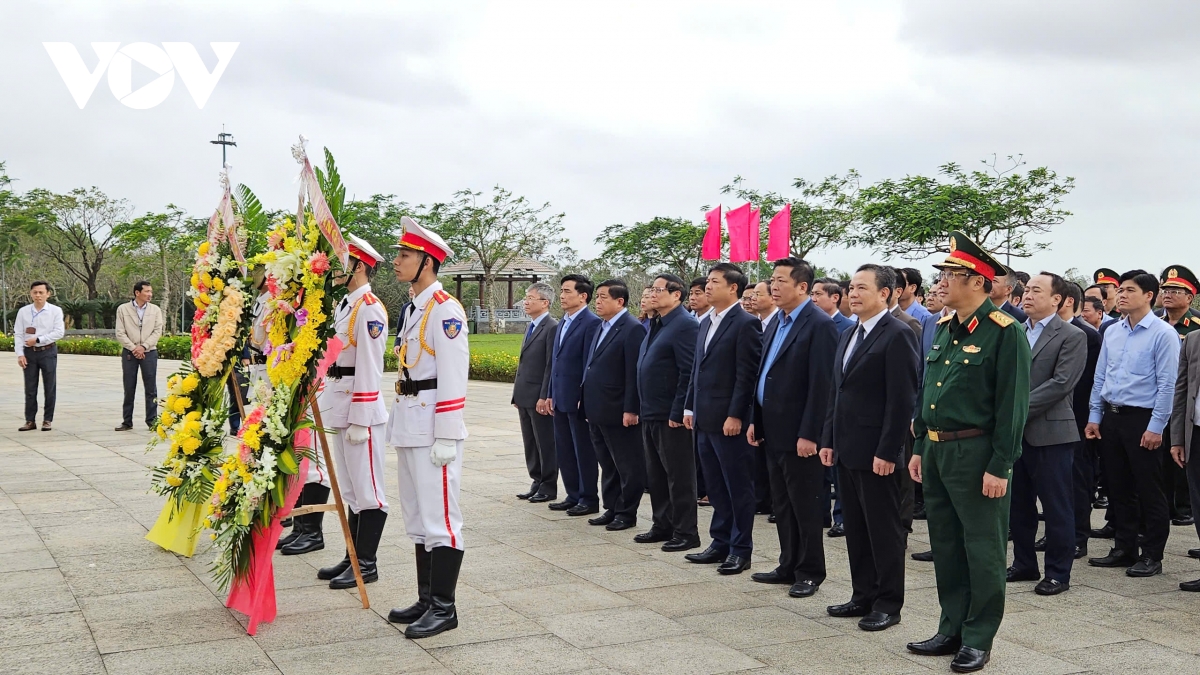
column 39, row 325
column 764, row 303
column 139, row 326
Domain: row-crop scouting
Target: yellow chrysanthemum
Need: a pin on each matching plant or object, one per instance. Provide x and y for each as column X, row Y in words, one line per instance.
column 193, row 416
column 203, row 250
column 190, row 445
column 217, row 284
column 174, row 481
column 203, row 299
column 167, row 418
column 190, row 383
column 182, row 403
column 252, row 436
column 192, row 427
column 195, row 281
column 162, row 433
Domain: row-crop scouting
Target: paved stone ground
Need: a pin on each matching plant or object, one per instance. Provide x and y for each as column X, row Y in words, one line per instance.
column 81, row 591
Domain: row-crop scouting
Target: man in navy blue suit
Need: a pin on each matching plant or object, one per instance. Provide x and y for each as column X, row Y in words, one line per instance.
column 664, row 374
column 827, row 295
column 610, row 404
column 728, row 348
column 572, row 438
column 792, row 391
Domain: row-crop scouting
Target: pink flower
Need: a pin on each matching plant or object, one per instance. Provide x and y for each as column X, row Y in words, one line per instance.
column 272, row 286
column 255, row 416
column 301, row 317
column 275, row 239
column 319, row 263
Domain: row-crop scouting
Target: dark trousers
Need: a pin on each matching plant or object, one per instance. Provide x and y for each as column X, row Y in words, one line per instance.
column 1083, row 471
column 1193, row 471
column 875, row 538
column 537, row 431
column 1175, row 483
column 671, row 477
column 622, row 468
column 728, row 463
column 1045, row 473
column 44, row 362
column 243, row 390
column 908, row 491
column 148, row 367
column 797, row 504
column 576, row 458
column 1135, row 476
column 701, row 485
column 833, row 496
column 762, row 480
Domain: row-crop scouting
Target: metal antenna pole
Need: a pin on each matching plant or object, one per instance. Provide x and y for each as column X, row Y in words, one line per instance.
column 224, row 140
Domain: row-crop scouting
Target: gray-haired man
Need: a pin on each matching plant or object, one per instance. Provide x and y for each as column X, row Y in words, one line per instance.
column 530, row 392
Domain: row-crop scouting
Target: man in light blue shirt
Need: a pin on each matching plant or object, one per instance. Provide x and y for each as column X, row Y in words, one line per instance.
column 1130, row 406
column 785, row 325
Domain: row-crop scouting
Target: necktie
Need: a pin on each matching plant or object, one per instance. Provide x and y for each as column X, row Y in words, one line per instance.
column 655, row 327
column 528, row 332
column 858, row 340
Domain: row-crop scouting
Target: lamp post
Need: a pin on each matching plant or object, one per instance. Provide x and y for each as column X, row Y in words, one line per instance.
column 224, row 140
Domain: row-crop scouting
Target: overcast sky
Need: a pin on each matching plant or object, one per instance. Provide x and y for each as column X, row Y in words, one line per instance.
column 621, row 111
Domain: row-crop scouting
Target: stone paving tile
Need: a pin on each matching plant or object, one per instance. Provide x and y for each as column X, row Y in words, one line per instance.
column 43, row 629
column 616, row 626
column 1124, row 658
column 392, row 654
column 74, row 657
column 235, row 656
column 578, row 596
column 758, row 626
column 536, row 655
column 681, row 655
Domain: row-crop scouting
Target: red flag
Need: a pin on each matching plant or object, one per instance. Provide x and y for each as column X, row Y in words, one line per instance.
column 754, row 229
column 740, row 245
column 711, row 249
column 779, row 234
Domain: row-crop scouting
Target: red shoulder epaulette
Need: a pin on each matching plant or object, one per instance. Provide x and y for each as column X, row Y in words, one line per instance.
column 370, row 299
column 441, row 296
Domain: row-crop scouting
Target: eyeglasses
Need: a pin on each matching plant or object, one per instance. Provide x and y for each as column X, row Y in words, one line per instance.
column 655, row 290
column 947, row 275
column 1174, row 291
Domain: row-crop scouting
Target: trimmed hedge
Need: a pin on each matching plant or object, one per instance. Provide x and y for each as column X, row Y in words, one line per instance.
column 486, row 363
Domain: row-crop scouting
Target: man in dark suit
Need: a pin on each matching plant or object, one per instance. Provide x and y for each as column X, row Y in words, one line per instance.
column 572, row 438
column 664, row 373
column 789, row 413
column 872, row 401
column 1001, row 295
column 610, row 404
column 827, row 295
column 897, row 311
column 1086, row 454
column 531, row 389
column 1045, row 469
column 728, row 349
column 912, row 499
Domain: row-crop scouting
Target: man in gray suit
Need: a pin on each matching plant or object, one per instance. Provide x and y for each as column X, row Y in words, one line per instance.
column 1185, row 417
column 530, row 391
column 1045, row 468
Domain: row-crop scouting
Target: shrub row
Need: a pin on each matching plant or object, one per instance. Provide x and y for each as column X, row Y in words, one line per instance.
column 489, row 365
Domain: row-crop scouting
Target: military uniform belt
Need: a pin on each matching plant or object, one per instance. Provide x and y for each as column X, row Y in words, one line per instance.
column 406, row 387
column 338, row 372
column 944, row 436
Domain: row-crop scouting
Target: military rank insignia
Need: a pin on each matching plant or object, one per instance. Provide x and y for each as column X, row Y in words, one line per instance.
column 972, row 349
column 375, row 328
column 452, row 327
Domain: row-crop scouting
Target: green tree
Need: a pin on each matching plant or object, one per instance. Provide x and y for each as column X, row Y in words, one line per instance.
column 164, row 236
column 999, row 207
column 823, row 212
column 495, row 232
column 660, row 244
column 80, row 233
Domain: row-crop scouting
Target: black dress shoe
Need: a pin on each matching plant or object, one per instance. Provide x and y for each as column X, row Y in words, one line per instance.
column 617, row 525
column 1194, row 552
column 307, row 542
column 838, row 530
column 677, row 544
column 771, row 518
column 1051, row 587
column 651, row 537
column 919, row 512
column 1190, row 586
column 1145, row 567
column 581, row 510
column 848, row 609
column 1080, row 552
column 539, row 498
column 923, row 556
column 734, row 565
column 876, row 621
column 1183, row 520
column 1106, row 532
column 561, row 506
column 1040, row 545
column 527, row 495
column 602, row 519
column 804, row 588
column 708, row 556
column 1115, row 558
column 1100, row 503
column 969, row 660
column 938, row 645
column 772, row 577
column 1014, row 574
column 124, row 427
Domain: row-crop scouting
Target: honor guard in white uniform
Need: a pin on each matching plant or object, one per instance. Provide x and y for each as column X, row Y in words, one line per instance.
column 426, row 428
column 352, row 407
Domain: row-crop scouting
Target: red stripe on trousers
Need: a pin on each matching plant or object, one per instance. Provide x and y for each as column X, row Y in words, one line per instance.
column 446, row 503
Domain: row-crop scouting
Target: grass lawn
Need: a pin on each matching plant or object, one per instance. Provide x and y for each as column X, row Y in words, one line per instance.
column 507, row 343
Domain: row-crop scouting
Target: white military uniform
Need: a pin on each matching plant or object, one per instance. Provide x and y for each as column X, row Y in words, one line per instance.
column 355, row 399
column 434, row 338
column 258, row 339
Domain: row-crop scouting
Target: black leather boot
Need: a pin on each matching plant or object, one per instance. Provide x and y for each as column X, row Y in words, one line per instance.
column 313, row 539
column 327, row 573
column 292, row 523
column 414, row 611
column 366, row 544
column 443, row 579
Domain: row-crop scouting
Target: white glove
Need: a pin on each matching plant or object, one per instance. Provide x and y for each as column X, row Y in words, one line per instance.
column 356, row 435
column 443, row 452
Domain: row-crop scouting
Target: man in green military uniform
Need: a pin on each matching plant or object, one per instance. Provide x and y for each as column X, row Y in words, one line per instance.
column 969, row 426
column 1177, row 289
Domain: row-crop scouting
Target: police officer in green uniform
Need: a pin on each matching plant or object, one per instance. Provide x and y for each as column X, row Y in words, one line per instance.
column 1178, row 286
column 970, row 421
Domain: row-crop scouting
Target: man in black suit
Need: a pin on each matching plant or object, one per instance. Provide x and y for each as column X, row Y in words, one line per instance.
column 873, row 397
column 790, row 399
column 1084, row 465
column 1002, row 289
column 664, row 373
column 572, row 438
column 531, row 389
column 610, row 404
column 728, row 349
